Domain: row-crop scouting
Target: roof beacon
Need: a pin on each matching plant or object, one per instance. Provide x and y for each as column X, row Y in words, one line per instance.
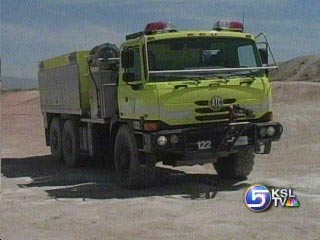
column 158, row 26
column 153, row 28
column 228, row 26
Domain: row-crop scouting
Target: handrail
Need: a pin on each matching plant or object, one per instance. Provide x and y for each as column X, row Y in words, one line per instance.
column 214, row 70
column 268, row 45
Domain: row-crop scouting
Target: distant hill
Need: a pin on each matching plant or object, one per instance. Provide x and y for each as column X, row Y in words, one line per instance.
column 19, row 83
column 304, row 68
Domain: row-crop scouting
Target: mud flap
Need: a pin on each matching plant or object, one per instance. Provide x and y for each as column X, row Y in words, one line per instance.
column 264, row 148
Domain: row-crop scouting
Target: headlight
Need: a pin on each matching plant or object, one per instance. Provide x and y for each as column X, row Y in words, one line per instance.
column 263, row 132
column 271, row 131
column 174, row 139
column 162, row 140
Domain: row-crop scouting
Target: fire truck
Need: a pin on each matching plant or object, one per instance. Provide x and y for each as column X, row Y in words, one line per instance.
column 176, row 97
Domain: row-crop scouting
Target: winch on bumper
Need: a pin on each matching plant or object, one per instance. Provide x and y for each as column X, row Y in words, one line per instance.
column 209, row 143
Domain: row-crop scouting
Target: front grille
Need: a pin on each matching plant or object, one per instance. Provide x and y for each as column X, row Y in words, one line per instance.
column 217, row 118
column 206, row 102
column 225, row 110
column 202, row 103
column 205, row 113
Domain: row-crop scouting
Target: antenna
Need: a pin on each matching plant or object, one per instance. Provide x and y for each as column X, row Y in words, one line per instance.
column 243, row 18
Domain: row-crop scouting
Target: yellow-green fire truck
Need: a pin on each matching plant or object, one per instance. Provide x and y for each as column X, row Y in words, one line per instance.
column 176, row 97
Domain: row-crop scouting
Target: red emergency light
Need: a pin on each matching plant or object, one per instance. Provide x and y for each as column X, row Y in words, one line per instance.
column 231, row 26
column 158, row 26
column 152, row 28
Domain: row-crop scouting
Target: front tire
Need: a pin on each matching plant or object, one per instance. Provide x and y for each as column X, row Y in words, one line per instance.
column 237, row 165
column 70, row 143
column 56, row 139
column 128, row 169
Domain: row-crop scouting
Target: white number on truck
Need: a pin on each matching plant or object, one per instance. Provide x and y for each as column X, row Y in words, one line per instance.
column 204, row 144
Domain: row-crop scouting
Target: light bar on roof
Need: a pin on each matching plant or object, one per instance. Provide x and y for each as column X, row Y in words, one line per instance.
column 158, row 26
column 228, row 25
column 153, row 28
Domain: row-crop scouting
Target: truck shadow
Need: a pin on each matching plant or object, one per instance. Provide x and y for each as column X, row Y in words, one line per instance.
column 93, row 182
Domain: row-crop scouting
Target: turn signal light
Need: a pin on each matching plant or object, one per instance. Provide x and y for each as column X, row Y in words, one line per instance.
column 267, row 117
column 150, row 126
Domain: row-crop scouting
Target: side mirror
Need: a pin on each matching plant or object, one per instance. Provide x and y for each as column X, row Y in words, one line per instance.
column 128, row 77
column 264, row 56
column 127, row 59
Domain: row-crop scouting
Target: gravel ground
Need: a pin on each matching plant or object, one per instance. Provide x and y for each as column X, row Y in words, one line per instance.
column 45, row 200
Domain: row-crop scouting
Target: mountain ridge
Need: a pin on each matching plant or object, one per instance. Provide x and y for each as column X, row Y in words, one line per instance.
column 302, row 68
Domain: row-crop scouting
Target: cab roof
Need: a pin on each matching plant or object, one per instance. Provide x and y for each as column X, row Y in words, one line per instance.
column 141, row 37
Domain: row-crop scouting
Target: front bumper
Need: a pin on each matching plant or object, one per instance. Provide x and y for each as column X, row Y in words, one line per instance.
column 212, row 142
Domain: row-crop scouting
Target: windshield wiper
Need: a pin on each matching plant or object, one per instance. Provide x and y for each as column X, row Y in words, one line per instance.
column 225, row 78
column 172, row 77
column 217, row 77
column 244, row 72
column 196, row 79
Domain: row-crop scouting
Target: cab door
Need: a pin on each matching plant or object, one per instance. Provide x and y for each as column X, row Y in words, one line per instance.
column 137, row 99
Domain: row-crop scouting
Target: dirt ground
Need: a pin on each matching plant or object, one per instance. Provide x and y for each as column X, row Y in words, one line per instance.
column 45, row 200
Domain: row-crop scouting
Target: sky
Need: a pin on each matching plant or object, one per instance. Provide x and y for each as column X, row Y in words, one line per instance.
column 33, row 30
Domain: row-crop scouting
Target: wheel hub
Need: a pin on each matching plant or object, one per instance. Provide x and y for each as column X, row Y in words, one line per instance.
column 124, row 161
column 69, row 144
column 55, row 139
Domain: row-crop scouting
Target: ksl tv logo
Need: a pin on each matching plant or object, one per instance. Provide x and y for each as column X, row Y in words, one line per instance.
column 259, row 198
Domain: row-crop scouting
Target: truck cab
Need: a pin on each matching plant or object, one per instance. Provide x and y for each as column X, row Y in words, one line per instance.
column 196, row 95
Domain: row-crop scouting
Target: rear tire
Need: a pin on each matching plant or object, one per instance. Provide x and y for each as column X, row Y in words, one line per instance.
column 237, row 165
column 128, row 169
column 56, row 139
column 70, row 143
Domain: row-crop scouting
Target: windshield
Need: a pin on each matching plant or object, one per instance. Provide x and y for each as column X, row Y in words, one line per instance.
column 202, row 53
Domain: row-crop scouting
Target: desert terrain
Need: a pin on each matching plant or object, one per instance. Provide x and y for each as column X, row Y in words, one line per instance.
column 45, row 200
column 302, row 68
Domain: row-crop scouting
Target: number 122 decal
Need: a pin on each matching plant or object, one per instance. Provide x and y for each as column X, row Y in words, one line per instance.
column 204, row 145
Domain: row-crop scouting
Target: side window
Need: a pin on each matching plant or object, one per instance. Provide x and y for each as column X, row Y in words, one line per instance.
column 136, row 69
column 246, row 56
